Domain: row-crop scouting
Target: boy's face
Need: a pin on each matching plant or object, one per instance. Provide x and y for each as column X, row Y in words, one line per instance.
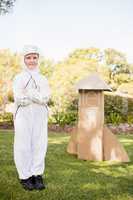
column 31, row 60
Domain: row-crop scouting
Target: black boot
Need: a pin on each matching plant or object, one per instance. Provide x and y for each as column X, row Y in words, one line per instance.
column 38, row 182
column 27, row 183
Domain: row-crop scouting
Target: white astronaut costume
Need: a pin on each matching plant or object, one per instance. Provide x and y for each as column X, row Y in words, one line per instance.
column 31, row 94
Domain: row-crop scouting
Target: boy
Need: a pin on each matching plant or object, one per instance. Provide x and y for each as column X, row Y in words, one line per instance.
column 31, row 94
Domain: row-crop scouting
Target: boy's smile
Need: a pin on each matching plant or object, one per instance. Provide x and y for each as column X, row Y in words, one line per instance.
column 31, row 60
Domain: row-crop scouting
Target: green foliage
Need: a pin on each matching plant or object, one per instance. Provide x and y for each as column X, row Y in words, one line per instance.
column 130, row 119
column 6, row 5
column 6, row 118
column 126, row 88
column 65, row 118
column 46, row 67
column 9, row 66
column 1, row 100
column 115, row 58
column 118, row 109
column 88, row 54
column 122, row 78
column 63, row 76
column 120, row 70
column 67, row 114
column 114, row 118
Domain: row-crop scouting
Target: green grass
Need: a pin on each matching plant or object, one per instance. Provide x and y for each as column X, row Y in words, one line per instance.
column 68, row 178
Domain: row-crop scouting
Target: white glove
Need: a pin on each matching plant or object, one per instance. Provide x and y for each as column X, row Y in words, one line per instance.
column 23, row 100
column 35, row 96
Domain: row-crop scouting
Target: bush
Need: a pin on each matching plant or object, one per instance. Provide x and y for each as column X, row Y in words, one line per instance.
column 126, row 88
column 67, row 115
column 6, row 118
column 118, row 109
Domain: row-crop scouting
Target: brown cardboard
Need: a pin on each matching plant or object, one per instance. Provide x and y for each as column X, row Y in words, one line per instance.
column 91, row 139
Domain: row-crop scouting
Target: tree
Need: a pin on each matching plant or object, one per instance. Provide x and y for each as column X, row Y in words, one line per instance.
column 117, row 61
column 80, row 63
column 89, row 54
column 6, row 5
column 46, row 67
column 9, row 66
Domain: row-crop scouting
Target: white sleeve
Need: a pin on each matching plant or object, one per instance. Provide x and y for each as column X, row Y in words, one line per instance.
column 43, row 95
column 19, row 95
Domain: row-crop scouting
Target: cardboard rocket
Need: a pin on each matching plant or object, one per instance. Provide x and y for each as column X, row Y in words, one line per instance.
column 91, row 139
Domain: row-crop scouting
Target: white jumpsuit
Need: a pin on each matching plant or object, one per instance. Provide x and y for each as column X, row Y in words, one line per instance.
column 31, row 93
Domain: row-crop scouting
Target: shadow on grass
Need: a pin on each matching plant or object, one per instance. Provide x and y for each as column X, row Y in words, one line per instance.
column 67, row 177
column 87, row 179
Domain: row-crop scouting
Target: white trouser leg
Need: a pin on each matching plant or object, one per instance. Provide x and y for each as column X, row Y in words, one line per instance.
column 22, row 146
column 39, row 141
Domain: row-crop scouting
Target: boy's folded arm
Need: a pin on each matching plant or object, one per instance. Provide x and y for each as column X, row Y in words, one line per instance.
column 19, row 94
column 42, row 96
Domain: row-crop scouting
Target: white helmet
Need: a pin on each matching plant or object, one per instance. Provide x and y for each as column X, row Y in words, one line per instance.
column 30, row 49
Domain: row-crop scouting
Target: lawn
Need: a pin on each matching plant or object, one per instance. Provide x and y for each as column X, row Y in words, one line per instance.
column 66, row 177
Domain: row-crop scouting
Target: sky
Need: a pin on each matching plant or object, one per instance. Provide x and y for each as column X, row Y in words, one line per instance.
column 58, row 27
